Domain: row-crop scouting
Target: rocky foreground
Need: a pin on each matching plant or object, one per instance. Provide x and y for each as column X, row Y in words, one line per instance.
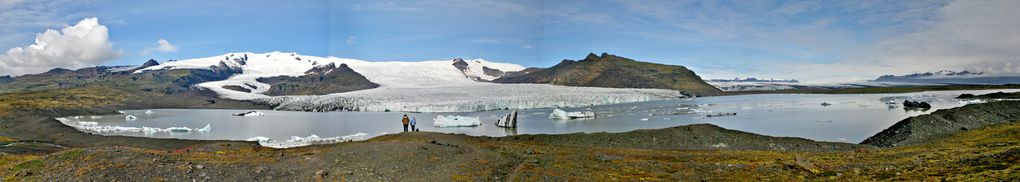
column 38, row 148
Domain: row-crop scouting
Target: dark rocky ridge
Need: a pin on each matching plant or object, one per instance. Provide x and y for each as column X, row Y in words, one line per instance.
column 942, row 123
column 324, row 79
column 616, row 72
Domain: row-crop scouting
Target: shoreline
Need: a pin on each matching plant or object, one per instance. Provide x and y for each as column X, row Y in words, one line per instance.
column 690, row 152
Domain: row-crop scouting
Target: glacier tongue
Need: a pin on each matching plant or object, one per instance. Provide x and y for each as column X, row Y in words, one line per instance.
column 467, row 98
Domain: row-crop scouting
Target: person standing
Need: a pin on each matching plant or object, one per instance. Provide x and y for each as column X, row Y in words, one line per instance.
column 414, row 122
column 406, row 121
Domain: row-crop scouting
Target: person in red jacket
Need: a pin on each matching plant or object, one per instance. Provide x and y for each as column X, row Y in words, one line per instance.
column 406, row 121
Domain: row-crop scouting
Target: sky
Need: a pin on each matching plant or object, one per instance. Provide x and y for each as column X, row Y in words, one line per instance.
column 808, row 40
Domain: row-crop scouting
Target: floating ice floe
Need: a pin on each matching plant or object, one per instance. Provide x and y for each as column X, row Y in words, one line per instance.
column 561, row 114
column 644, row 119
column 96, row 117
column 95, row 127
column 130, row 117
column 296, row 141
column 455, row 121
column 258, row 139
column 250, row 114
column 148, row 111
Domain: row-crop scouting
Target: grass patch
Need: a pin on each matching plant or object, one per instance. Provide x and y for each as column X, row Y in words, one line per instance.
column 72, row 154
column 28, row 165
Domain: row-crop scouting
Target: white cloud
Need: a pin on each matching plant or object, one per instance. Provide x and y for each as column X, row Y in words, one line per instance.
column 164, row 47
column 978, row 35
column 84, row 44
column 350, row 40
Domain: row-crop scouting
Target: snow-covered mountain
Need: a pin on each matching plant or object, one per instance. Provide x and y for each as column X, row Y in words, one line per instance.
column 953, row 77
column 424, row 74
column 455, row 85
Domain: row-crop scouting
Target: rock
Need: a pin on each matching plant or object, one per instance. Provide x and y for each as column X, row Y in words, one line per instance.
column 915, row 105
column 803, row 164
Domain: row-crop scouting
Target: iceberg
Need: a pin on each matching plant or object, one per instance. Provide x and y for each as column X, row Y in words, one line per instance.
column 207, row 128
column 250, row 114
column 95, row 127
column 258, row 139
column 296, row 141
column 178, row 129
column 510, row 121
column 560, row 114
column 455, row 121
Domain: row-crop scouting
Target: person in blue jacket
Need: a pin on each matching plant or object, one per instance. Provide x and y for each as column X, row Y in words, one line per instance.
column 413, row 123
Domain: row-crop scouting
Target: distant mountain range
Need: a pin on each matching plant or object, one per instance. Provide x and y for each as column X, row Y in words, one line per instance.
column 249, row 75
column 953, row 77
column 752, row 79
column 613, row 71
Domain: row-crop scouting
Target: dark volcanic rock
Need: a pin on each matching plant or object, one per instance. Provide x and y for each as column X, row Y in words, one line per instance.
column 149, row 63
column 492, row 72
column 916, row 105
column 616, row 72
column 942, row 123
column 324, row 79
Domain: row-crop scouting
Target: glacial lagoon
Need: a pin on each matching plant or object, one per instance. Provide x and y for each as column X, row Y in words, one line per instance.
column 845, row 118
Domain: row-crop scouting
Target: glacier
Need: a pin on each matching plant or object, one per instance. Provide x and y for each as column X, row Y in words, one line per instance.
column 467, row 98
column 425, row 86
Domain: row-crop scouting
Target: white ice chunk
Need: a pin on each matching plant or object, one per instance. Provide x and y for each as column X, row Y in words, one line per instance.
column 455, row 121
column 130, row 117
column 148, row 111
column 258, row 139
column 250, row 114
column 560, row 114
column 296, row 141
column 207, row 128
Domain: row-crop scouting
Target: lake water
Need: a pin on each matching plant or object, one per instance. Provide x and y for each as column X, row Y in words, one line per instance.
column 849, row 118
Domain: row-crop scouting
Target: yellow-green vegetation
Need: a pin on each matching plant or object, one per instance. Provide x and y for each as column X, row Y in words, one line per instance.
column 62, row 99
column 989, row 153
column 10, row 163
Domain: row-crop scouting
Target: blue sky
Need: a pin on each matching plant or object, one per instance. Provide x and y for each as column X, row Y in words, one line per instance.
column 807, row 40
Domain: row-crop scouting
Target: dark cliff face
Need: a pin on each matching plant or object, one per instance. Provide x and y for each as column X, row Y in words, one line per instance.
column 325, row 79
column 616, row 72
column 161, row 81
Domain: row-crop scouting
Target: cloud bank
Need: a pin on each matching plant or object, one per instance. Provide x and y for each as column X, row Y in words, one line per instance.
column 164, row 47
column 84, row 44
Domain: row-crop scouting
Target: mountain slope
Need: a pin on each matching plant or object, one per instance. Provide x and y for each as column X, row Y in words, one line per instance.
column 325, row 79
column 616, row 72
